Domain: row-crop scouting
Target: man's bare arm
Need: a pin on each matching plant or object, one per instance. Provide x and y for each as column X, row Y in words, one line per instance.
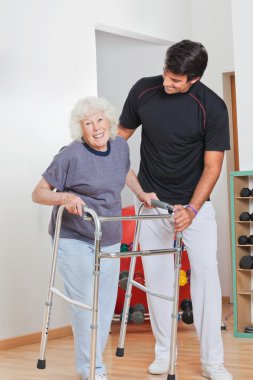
column 212, row 167
column 124, row 132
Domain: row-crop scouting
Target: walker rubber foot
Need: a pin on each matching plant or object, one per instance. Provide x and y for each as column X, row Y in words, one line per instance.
column 171, row 377
column 41, row 364
column 120, row 352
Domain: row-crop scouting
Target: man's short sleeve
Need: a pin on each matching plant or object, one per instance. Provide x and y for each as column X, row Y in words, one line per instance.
column 129, row 118
column 217, row 132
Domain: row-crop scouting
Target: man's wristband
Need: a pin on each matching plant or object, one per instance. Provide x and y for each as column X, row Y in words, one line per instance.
column 192, row 208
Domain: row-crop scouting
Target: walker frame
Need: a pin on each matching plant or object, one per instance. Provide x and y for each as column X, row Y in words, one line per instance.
column 90, row 215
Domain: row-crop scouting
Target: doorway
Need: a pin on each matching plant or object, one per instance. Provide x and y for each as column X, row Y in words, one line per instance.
column 121, row 61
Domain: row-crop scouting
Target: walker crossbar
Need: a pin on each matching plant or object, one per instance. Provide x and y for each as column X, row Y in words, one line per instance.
column 73, row 302
column 116, row 255
column 90, row 214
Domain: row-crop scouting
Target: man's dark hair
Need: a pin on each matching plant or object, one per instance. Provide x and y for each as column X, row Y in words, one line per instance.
column 186, row 58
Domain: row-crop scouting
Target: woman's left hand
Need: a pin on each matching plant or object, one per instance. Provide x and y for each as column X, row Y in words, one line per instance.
column 146, row 198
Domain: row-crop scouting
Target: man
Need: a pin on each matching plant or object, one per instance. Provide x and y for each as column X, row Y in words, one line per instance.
column 184, row 135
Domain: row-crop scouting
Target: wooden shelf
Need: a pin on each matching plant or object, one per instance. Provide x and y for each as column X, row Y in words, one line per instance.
column 244, row 221
column 242, row 278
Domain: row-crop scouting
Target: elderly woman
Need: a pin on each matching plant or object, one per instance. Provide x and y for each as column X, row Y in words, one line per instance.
column 91, row 170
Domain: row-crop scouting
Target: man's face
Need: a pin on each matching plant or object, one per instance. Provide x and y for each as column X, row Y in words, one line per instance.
column 175, row 83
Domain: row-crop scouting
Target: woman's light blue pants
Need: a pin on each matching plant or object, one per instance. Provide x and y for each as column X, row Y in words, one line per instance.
column 76, row 265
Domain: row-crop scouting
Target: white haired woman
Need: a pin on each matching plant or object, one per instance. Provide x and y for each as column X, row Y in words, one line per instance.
column 91, row 170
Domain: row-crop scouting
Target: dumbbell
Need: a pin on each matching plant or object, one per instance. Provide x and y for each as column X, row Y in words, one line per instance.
column 246, row 262
column 138, row 314
column 123, row 247
column 130, row 246
column 246, row 192
column 243, row 240
column 123, row 279
column 188, row 275
column 187, row 315
column 129, row 315
column 139, row 277
column 246, row 216
column 183, row 278
column 248, row 329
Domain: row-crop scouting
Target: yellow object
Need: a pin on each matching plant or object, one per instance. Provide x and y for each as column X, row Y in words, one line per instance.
column 182, row 278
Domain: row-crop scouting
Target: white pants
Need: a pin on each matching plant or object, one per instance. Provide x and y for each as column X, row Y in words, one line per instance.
column 200, row 240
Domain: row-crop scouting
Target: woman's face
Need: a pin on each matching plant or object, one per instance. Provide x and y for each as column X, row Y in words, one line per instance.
column 96, row 131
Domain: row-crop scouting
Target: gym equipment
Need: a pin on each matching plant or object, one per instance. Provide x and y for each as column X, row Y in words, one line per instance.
column 243, row 240
column 123, row 278
column 129, row 315
column 246, row 216
column 90, row 215
column 246, row 262
column 246, row 192
column 124, row 247
column 138, row 314
column 187, row 315
column 182, row 278
column 138, row 296
column 248, row 329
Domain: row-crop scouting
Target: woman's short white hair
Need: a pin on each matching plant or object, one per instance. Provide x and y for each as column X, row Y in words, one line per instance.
column 88, row 106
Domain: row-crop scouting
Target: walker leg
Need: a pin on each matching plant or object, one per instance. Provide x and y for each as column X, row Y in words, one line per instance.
column 41, row 364
column 174, row 316
column 128, row 294
column 124, row 320
column 94, row 324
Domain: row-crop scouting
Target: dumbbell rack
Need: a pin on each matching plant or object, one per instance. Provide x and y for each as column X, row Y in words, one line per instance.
column 242, row 278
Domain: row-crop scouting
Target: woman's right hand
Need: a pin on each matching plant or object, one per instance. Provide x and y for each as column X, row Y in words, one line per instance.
column 73, row 204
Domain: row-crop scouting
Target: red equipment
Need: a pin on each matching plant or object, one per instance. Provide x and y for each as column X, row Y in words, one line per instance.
column 138, row 296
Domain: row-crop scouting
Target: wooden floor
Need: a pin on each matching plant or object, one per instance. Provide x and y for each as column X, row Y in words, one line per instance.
column 20, row 363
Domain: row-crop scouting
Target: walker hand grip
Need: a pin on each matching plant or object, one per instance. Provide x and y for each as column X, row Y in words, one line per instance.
column 85, row 209
column 160, row 204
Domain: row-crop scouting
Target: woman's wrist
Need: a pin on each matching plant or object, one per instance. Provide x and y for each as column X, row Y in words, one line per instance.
column 138, row 194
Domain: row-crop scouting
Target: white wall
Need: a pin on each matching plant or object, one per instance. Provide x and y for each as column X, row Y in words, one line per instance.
column 243, row 55
column 48, row 61
column 212, row 25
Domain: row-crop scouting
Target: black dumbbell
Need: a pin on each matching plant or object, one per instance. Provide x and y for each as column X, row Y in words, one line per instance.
column 123, row 279
column 138, row 314
column 246, row 192
column 187, row 315
column 129, row 315
column 248, row 329
column 243, row 240
column 246, row 262
column 246, row 216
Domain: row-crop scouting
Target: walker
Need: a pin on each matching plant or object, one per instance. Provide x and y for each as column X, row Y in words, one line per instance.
column 90, row 215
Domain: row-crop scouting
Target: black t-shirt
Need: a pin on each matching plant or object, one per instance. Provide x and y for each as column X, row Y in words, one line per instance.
column 176, row 131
